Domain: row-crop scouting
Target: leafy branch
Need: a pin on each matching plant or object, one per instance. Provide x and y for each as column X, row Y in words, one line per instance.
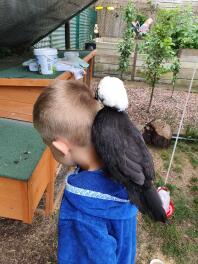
column 127, row 44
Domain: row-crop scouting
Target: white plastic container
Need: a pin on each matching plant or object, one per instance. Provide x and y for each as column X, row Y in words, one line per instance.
column 46, row 58
column 70, row 55
column 33, row 66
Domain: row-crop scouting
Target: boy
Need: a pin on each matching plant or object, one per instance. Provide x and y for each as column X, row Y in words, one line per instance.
column 97, row 223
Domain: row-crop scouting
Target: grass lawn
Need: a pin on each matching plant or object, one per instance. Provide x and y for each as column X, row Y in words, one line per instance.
column 175, row 242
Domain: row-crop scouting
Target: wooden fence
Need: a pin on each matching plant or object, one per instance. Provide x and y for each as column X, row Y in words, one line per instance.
column 111, row 23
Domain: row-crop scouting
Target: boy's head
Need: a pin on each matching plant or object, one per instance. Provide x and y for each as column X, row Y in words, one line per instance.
column 64, row 113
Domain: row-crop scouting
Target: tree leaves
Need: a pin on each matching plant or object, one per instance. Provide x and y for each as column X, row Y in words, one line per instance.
column 127, row 44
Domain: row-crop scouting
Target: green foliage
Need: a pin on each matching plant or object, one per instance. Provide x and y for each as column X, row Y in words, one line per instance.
column 177, row 168
column 194, row 188
column 177, row 165
column 182, row 210
column 127, row 44
column 184, row 35
column 165, row 155
column 141, row 18
column 185, row 28
column 177, row 238
column 173, row 235
column 193, row 44
column 193, row 158
column 175, row 68
column 195, row 201
column 185, row 147
column 193, row 180
column 159, row 182
column 192, row 132
column 171, row 187
column 172, row 245
column 191, row 150
column 173, row 30
column 185, row 32
column 192, row 232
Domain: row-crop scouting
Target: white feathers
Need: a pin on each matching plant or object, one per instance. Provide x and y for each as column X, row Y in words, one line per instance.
column 112, row 93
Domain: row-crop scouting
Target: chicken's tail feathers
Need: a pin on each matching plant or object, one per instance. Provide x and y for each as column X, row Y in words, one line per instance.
column 148, row 202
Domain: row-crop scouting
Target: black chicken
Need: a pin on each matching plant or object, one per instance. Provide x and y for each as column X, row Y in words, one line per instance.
column 127, row 160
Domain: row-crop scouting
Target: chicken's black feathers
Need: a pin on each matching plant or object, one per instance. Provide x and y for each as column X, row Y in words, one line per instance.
column 126, row 159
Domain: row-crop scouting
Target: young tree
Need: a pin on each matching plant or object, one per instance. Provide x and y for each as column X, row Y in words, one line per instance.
column 158, row 49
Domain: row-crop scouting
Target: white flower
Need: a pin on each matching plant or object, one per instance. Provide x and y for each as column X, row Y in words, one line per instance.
column 112, row 93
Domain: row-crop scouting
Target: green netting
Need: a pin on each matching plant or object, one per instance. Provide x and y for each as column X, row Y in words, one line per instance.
column 25, row 22
column 22, row 72
column 21, row 148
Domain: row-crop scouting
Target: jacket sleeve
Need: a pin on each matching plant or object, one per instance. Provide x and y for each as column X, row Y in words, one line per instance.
column 85, row 243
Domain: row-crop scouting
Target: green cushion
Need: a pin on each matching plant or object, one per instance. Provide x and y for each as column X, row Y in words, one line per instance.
column 23, row 72
column 21, row 148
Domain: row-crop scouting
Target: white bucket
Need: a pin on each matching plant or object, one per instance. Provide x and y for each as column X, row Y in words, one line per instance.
column 156, row 261
column 46, row 58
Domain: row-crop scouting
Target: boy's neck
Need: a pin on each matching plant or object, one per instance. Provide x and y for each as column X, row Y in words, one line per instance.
column 87, row 158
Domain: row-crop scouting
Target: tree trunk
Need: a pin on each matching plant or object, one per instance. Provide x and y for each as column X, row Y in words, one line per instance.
column 134, row 60
column 173, row 88
column 151, row 97
column 178, row 55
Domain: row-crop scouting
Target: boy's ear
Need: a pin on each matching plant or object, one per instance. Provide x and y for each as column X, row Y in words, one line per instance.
column 61, row 145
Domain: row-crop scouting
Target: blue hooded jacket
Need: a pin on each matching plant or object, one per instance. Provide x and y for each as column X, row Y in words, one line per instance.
column 97, row 223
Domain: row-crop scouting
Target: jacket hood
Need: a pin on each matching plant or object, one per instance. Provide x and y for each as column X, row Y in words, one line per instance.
column 93, row 193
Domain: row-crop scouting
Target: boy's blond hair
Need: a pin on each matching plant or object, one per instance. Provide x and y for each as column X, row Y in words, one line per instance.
column 66, row 109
